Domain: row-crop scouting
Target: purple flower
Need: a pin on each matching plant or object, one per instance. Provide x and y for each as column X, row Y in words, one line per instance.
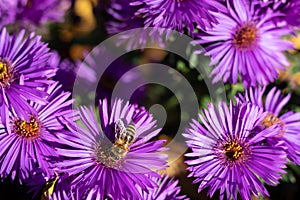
column 177, row 15
column 289, row 122
column 63, row 191
column 228, row 155
column 61, row 188
column 39, row 11
column 167, row 189
column 25, row 13
column 57, row 187
column 23, row 70
column 246, row 44
column 29, row 140
column 7, row 12
column 124, row 19
column 107, row 153
column 288, row 8
column 66, row 74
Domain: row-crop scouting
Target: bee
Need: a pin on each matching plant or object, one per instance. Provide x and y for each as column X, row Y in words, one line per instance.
column 123, row 138
column 49, row 187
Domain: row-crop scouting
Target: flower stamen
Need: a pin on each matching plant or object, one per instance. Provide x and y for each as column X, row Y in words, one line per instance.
column 27, row 129
column 245, row 36
column 5, row 73
column 233, row 150
column 271, row 120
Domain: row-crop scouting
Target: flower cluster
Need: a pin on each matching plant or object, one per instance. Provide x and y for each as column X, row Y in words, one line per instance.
column 110, row 148
column 44, row 148
column 243, row 38
column 32, row 138
column 24, row 68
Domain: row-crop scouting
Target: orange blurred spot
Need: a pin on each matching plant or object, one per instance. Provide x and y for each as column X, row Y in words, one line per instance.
column 178, row 166
column 77, row 51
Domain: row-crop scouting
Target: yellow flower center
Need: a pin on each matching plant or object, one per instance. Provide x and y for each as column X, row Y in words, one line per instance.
column 5, row 73
column 27, row 129
column 245, row 36
column 271, row 120
column 233, row 150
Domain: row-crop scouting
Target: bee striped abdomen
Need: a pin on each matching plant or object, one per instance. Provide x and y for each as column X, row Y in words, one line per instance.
column 130, row 133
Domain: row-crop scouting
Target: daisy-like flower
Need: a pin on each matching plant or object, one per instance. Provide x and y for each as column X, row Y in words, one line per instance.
column 30, row 13
column 23, row 70
column 245, row 43
column 25, row 148
column 227, row 155
column 107, row 153
column 175, row 14
column 167, row 189
column 289, row 122
column 289, row 9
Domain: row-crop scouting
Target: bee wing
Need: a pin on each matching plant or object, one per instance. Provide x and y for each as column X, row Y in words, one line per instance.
column 119, row 128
